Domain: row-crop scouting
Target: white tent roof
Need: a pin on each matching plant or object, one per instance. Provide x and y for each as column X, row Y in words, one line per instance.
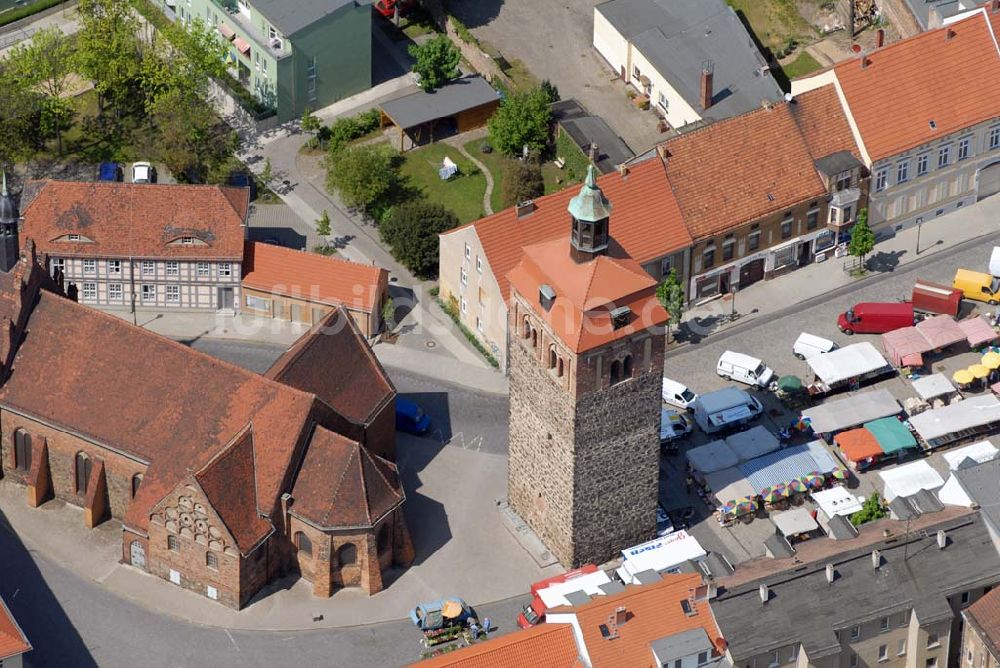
column 934, row 385
column 794, row 522
column 836, row 501
column 851, row 411
column 953, row 494
column 910, row 479
column 662, row 553
column 712, row 457
column 729, row 485
column 854, row 360
column 980, row 452
column 753, row 442
column 966, row 414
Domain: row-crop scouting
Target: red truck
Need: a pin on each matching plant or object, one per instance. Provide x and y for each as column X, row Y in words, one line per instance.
column 387, row 8
column 934, row 298
column 587, row 578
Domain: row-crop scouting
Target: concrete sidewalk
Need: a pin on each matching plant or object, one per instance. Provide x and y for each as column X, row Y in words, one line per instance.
column 818, row 278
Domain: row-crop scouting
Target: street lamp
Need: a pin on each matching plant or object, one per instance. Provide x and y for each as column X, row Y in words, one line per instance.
column 920, row 222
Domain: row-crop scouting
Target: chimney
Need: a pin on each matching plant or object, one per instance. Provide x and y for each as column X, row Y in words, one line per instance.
column 286, row 503
column 623, row 170
column 949, row 35
column 621, row 616
column 880, row 38
column 876, row 559
column 707, row 74
column 661, row 150
column 522, row 209
column 764, row 592
column 830, row 574
column 864, row 61
column 942, row 539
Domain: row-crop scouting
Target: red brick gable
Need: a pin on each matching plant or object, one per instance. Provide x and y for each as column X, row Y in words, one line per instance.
column 12, row 639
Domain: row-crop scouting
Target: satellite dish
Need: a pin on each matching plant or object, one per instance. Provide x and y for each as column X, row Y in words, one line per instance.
column 856, row 48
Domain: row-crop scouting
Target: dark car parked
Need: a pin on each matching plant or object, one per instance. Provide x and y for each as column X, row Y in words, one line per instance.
column 411, row 418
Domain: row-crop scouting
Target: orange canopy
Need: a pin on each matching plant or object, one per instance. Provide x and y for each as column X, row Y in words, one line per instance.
column 858, row 444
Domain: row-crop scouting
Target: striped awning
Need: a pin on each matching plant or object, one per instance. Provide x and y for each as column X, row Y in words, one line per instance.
column 226, row 31
column 242, row 46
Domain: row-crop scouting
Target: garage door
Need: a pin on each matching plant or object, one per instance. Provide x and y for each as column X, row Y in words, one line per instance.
column 989, row 180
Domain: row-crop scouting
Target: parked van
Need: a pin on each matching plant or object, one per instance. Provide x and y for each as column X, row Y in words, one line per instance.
column 678, row 394
column 744, row 369
column 875, row 317
column 977, row 285
column 810, row 345
column 725, row 409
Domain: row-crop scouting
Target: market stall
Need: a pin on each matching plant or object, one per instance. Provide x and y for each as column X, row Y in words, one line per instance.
column 980, row 453
column 934, row 386
column 846, row 367
column 910, row 479
column 836, row 501
column 795, row 467
column 977, row 331
column 905, row 346
column 893, row 436
column 859, row 447
column 711, row 457
column 752, row 443
column 795, row 524
column 834, row 416
column 941, row 331
column 729, row 485
column 958, row 421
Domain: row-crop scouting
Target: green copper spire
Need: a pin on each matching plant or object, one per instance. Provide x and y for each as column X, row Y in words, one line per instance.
column 590, row 204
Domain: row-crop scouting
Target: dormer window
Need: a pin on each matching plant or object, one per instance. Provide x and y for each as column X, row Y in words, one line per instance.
column 187, row 241
column 620, row 316
column 73, row 237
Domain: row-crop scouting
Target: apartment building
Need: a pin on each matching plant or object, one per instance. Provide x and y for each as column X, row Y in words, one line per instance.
column 126, row 246
column 291, row 54
column 925, row 115
column 981, row 634
column 892, row 597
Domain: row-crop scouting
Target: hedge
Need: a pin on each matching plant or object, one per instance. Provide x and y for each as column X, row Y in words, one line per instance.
column 25, row 11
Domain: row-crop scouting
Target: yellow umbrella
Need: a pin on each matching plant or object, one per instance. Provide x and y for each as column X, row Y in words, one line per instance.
column 962, row 377
column 991, row 360
column 979, row 371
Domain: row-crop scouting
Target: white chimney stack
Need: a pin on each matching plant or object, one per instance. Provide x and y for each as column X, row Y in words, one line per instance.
column 765, row 593
column 942, row 539
column 829, row 573
column 876, row 559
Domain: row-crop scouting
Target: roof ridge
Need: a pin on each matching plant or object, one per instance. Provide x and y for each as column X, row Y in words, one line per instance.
column 364, row 487
column 343, row 477
column 322, row 258
column 388, row 483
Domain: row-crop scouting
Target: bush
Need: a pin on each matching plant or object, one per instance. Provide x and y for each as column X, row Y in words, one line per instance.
column 411, row 232
column 463, row 32
column 871, row 510
column 521, row 120
column 365, row 176
column 522, row 180
column 451, row 308
column 345, row 130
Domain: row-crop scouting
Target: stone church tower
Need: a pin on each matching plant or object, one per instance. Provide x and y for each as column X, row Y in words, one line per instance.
column 586, row 358
column 9, row 217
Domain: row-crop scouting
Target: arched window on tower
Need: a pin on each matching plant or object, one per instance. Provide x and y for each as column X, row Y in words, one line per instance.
column 526, row 328
column 136, row 482
column 22, row 450
column 553, row 357
column 627, row 367
column 616, row 372
column 534, row 338
column 559, row 367
column 303, row 543
column 347, row 555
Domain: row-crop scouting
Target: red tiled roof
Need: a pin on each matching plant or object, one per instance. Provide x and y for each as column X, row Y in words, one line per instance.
column 740, row 169
column 136, row 220
column 586, row 292
column 985, row 614
column 12, row 639
column 171, row 406
column 545, row 646
column 343, row 485
column 317, row 278
column 229, row 482
column 645, row 221
column 950, row 76
column 653, row 611
column 821, row 119
column 334, row 362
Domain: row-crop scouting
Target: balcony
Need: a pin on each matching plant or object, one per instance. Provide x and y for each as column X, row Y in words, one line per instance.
column 277, row 48
column 842, row 198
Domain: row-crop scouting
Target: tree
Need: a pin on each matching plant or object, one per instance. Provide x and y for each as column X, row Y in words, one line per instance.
column 522, row 180
column 550, row 90
column 436, row 62
column 185, row 58
column 265, row 173
column 44, row 65
column 670, row 294
column 365, row 176
column 871, row 510
column 109, row 51
column 862, row 238
column 389, row 314
column 323, row 225
column 310, row 123
column 191, row 140
column 411, row 232
column 522, row 119
column 19, row 117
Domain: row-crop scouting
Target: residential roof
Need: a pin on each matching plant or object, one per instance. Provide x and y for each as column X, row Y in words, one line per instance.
column 653, row 612
column 838, row 162
column 587, row 292
column 343, row 485
column 896, row 99
column 646, row 221
column 292, row 16
column 688, row 643
column 12, row 639
column 549, row 645
column 985, row 616
column 980, row 483
column 585, row 129
column 334, row 362
column 921, row 9
column 127, row 220
column 766, row 168
column 313, row 277
column 452, row 98
column 804, row 607
column 679, row 36
column 822, row 123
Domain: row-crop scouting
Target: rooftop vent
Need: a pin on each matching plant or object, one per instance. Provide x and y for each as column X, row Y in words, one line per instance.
column 949, row 34
column 522, row 209
column 546, row 296
column 830, row 574
column 620, row 316
column 770, row 197
column 942, row 539
column 933, row 124
column 876, row 559
column 764, row 592
column 621, row 615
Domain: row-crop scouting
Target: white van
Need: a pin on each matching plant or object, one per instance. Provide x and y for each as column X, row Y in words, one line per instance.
column 810, row 345
column 677, row 394
column 725, row 409
column 744, row 369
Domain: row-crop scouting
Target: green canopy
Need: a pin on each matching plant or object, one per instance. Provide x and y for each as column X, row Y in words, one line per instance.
column 891, row 434
column 790, row 384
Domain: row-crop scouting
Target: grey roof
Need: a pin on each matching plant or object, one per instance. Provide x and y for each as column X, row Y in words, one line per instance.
column 585, row 129
column 718, row 565
column 454, row 97
column 648, row 576
column 577, row 597
column 679, row 645
column 926, row 502
column 291, row 16
column 804, row 608
column 613, row 587
column 980, row 483
column 836, row 163
column 903, row 509
column 677, row 36
column 921, row 9
column 840, row 528
column 778, row 547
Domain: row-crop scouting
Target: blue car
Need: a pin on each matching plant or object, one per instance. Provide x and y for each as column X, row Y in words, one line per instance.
column 439, row 614
column 411, row 418
column 110, row 171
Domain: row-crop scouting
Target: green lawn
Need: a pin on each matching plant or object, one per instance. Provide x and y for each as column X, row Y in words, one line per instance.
column 801, row 66
column 774, row 22
column 462, row 194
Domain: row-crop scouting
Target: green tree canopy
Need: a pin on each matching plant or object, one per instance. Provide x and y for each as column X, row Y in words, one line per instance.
column 411, row 231
column 871, row 510
column 44, row 65
column 323, row 224
column 522, row 119
column 190, row 140
column 862, row 238
column 436, row 62
column 109, row 51
column 364, row 176
column 522, row 180
column 670, row 294
column 184, row 58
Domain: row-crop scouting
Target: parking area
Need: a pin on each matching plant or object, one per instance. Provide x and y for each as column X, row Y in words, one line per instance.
column 771, row 340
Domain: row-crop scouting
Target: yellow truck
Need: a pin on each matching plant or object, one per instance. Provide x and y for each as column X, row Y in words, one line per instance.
column 977, row 285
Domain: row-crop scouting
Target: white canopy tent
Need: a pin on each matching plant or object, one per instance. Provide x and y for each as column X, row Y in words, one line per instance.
column 970, row 413
column 712, row 457
column 851, row 411
column 848, row 362
column 910, row 479
column 980, row 452
column 794, row 522
column 953, row 494
column 836, row 501
column 729, row 485
column 753, row 442
column 934, row 385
